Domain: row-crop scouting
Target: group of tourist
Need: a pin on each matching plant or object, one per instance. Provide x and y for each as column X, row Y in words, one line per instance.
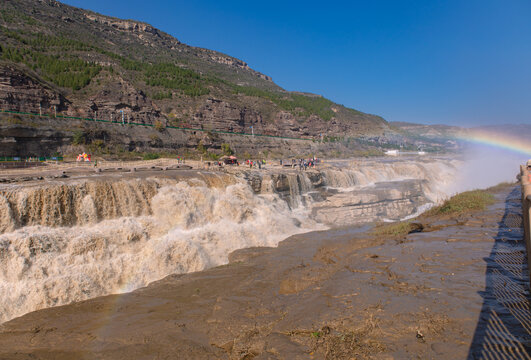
column 255, row 163
column 219, row 164
column 303, row 164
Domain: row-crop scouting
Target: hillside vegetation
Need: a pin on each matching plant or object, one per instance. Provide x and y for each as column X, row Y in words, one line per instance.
column 81, row 54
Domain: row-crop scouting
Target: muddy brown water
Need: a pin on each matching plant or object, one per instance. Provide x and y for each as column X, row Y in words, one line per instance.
column 456, row 293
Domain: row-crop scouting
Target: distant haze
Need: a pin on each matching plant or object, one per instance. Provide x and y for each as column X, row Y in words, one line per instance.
column 454, row 62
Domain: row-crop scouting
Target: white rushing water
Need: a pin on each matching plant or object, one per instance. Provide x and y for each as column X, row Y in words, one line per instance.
column 81, row 240
column 192, row 227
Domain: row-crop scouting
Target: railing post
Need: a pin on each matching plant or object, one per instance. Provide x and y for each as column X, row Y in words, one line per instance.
column 527, row 228
column 525, row 175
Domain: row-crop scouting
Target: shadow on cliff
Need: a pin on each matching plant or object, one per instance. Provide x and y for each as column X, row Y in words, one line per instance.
column 504, row 326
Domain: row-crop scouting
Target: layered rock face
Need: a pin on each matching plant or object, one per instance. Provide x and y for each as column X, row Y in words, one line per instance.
column 217, row 114
column 392, row 200
column 119, row 101
column 57, row 58
column 44, row 137
column 20, row 92
column 357, row 203
column 19, row 140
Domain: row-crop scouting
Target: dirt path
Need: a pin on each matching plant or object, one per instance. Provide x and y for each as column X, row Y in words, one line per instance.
column 456, row 293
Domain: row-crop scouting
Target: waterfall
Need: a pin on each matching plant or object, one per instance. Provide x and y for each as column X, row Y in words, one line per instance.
column 299, row 187
column 64, row 241
column 181, row 227
column 438, row 173
column 295, row 199
column 82, row 202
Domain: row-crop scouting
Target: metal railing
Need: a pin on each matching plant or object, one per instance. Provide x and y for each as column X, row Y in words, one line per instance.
column 101, row 165
column 30, row 158
column 183, row 128
column 525, row 178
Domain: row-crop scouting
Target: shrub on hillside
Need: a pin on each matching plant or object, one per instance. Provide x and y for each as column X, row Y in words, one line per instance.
column 225, row 148
column 150, row 156
column 79, row 137
column 158, row 126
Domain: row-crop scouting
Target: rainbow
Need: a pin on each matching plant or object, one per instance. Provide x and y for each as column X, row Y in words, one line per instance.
column 490, row 138
column 111, row 309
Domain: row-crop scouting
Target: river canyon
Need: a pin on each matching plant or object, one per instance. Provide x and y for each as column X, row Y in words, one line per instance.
column 76, row 238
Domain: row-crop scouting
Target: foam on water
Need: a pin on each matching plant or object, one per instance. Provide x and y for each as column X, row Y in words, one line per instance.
column 81, row 240
column 192, row 227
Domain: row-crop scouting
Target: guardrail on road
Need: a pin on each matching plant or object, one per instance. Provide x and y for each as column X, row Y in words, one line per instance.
column 525, row 178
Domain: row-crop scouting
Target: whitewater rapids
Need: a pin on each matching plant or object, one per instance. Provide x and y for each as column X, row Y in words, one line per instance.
column 192, row 227
column 78, row 240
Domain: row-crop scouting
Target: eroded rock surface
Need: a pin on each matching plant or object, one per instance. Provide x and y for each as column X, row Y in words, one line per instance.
column 337, row 294
column 21, row 92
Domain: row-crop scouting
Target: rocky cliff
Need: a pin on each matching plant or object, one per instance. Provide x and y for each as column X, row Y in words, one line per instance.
column 20, row 91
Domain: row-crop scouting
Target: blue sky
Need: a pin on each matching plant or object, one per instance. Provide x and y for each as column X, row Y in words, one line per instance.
column 462, row 62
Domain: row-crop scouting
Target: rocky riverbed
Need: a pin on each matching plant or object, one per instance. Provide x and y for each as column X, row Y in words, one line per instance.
column 335, row 294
